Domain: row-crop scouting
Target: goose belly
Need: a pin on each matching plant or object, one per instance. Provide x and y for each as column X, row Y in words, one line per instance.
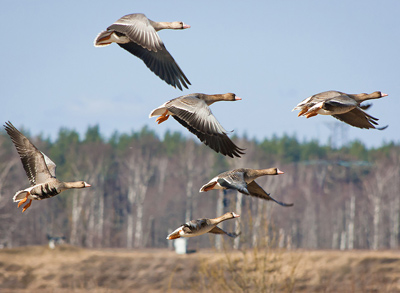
column 42, row 191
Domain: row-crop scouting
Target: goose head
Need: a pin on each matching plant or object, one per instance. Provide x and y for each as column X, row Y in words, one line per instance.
column 82, row 184
column 210, row 99
column 365, row 96
column 178, row 25
column 231, row 97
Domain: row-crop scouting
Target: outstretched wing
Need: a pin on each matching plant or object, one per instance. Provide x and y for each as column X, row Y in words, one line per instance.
column 358, row 118
column 50, row 165
column 217, row 230
column 239, row 185
column 161, row 63
column 196, row 113
column 32, row 159
column 195, row 226
column 257, row 191
column 138, row 29
column 339, row 102
column 196, row 116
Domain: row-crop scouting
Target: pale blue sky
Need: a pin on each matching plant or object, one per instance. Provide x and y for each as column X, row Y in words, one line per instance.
column 272, row 54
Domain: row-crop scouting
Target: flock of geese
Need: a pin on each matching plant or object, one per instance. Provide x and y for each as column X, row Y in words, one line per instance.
column 138, row 35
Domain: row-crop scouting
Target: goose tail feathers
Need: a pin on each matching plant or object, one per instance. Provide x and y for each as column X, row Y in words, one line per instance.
column 103, row 39
column 19, row 195
column 176, row 234
column 158, row 111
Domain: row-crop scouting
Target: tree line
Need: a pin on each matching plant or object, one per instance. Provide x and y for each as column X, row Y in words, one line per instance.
column 144, row 186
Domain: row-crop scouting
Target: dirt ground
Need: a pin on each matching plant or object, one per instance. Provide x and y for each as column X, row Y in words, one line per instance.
column 72, row 269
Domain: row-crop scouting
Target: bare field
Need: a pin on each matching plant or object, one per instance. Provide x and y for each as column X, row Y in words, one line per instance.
column 72, row 269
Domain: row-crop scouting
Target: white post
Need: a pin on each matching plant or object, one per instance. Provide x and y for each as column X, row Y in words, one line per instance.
column 239, row 199
column 350, row 244
column 220, row 209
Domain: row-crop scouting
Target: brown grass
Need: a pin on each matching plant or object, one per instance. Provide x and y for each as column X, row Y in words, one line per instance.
column 304, row 271
column 71, row 269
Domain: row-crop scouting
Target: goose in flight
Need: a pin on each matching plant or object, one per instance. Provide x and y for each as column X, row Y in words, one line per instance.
column 342, row 106
column 138, row 35
column 193, row 112
column 202, row 226
column 242, row 180
column 41, row 171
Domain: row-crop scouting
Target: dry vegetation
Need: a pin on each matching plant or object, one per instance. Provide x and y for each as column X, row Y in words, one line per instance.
column 71, row 269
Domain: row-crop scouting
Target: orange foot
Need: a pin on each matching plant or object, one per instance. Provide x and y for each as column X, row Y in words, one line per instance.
column 27, row 206
column 312, row 114
column 23, row 200
column 305, row 109
column 163, row 117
